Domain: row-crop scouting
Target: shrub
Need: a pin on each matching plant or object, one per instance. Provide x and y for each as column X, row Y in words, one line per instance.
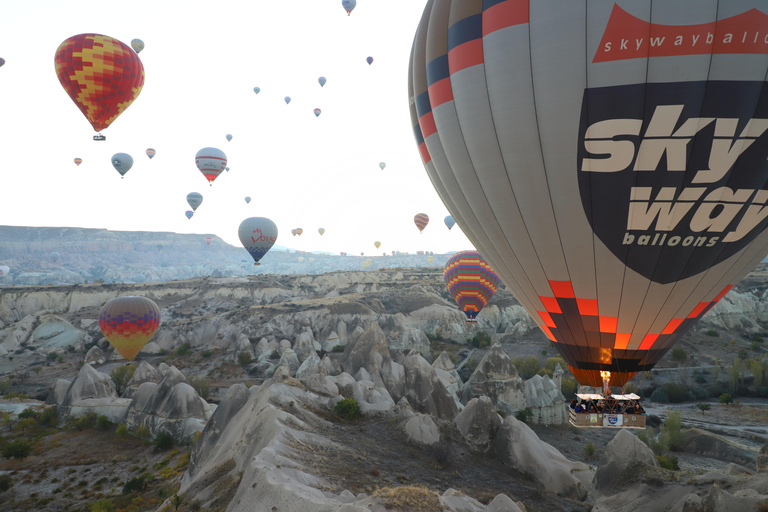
column 103, row 423
column 5, row 385
column 206, row 354
column 122, row 430
column 202, row 385
column 655, row 444
column 244, row 358
column 703, row 406
column 163, row 441
column 676, row 392
column 5, row 482
column 712, row 332
column 569, row 386
column 715, row 390
column 19, row 449
column 726, row 398
column 122, row 375
column 480, row 340
column 103, row 505
column 52, row 356
column 668, row 462
column 28, row 413
column 49, row 417
column 524, row 415
column 551, row 362
column 184, row 350
column 84, row 422
column 142, row 431
column 527, row 367
column 660, row 396
column 590, row 449
column 755, row 346
column 338, row 348
column 137, row 484
column 678, row 354
column 347, row 408
column 671, row 433
column 699, row 393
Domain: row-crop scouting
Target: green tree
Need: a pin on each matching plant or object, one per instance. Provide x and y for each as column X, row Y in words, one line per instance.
column 202, row 385
column 163, row 441
column 347, row 408
column 671, row 433
column 5, row 482
column 19, row 449
column 244, row 358
column 122, row 375
column 679, row 354
column 527, row 367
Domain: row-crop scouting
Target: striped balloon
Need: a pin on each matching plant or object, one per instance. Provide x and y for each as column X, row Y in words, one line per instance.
column 128, row 323
column 421, row 220
column 471, row 282
column 211, row 162
column 78, row 161
column 151, row 152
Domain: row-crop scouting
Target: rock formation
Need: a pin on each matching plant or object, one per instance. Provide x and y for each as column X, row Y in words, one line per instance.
column 478, row 423
column 619, row 458
column 496, row 377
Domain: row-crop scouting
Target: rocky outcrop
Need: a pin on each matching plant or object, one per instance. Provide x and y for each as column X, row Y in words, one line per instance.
column 620, row 457
column 762, row 459
column 711, row 445
column 478, row 423
column 95, row 355
column 91, row 391
column 519, row 447
column 54, row 332
column 422, row 429
column 410, row 339
column 496, row 377
column 424, row 390
column 545, row 400
column 145, row 372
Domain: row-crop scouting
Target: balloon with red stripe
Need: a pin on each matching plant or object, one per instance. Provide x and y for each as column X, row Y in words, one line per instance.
column 211, row 162
column 471, row 282
column 129, row 323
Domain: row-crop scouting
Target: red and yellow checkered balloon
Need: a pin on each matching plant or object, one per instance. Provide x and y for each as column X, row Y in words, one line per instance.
column 102, row 75
column 128, row 323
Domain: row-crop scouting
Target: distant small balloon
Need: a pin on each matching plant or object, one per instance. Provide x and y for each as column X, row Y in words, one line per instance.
column 421, row 220
column 208, row 240
column 122, row 162
column 247, row 199
column 4, row 269
column 377, row 244
column 227, row 169
column 137, row 45
column 293, row 232
column 151, row 153
column 322, row 81
column 311, row 260
column 257, row 90
column 449, row 222
column 369, row 60
column 189, row 213
column 382, row 165
column 349, row 5
column 229, row 136
column 55, row 256
column 321, row 231
column 78, row 161
column 287, row 100
column 194, row 199
column 2, row 62
column 317, row 112
column 301, row 259
column 299, row 231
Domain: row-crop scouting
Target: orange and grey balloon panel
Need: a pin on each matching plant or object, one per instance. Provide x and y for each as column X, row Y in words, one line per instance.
column 471, row 282
column 421, row 220
column 617, row 189
column 102, row 75
column 128, row 323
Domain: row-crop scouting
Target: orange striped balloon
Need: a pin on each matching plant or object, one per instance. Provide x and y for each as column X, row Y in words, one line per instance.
column 78, row 161
column 102, row 75
column 471, row 282
column 421, row 220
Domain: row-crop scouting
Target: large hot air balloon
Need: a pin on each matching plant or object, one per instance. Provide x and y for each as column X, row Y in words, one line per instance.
column 258, row 235
column 287, row 99
column 55, row 256
column 194, row 199
column 128, row 323
column 189, row 214
column 471, row 282
column 382, row 165
column 247, row 199
column 349, row 5
column 122, row 162
column 4, row 270
column 137, row 45
column 318, row 112
column 421, row 220
column 102, row 76
column 229, row 137
column 449, row 222
column 78, row 161
column 369, row 60
column 377, row 244
column 322, row 81
column 151, row 153
column 608, row 159
column 257, row 90
column 208, row 240
column 321, row 231
column 299, row 231
column 211, row 162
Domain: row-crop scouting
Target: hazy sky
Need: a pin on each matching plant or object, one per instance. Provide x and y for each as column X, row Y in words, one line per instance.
column 201, row 61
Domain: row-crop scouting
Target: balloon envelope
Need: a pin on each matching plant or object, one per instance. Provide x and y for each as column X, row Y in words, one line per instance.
column 449, row 222
column 194, row 199
column 4, row 270
column 122, row 162
column 2, row 62
column 258, row 235
column 151, row 153
column 128, row 323
column 377, row 244
column 208, row 240
column 299, row 231
column 293, row 232
column 55, row 256
column 421, row 220
column 210, row 162
column 287, row 100
column 322, row 81
column 247, row 199
column 321, row 231
column 592, row 174
column 229, row 136
column 369, row 60
column 382, row 165
column 189, row 213
column 317, row 112
column 102, row 75
column 349, row 5
column 78, row 161
column 471, row 281
column 257, row 90
column 137, row 45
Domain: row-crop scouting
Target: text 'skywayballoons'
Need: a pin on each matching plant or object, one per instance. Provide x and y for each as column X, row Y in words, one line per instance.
column 349, row 5
column 449, row 222
column 194, row 199
column 122, row 162
column 210, row 162
column 247, row 199
column 318, row 112
column 322, row 81
column 369, row 60
column 257, row 90
column 382, row 165
column 102, row 76
column 137, row 45
column 377, row 244
column 78, row 161
column 287, row 100
column 258, row 235
column 151, row 153
column 229, row 137
column 4, row 270
column 471, row 282
column 321, row 231
column 189, row 214
column 421, row 220
column 128, row 323
column 608, row 159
